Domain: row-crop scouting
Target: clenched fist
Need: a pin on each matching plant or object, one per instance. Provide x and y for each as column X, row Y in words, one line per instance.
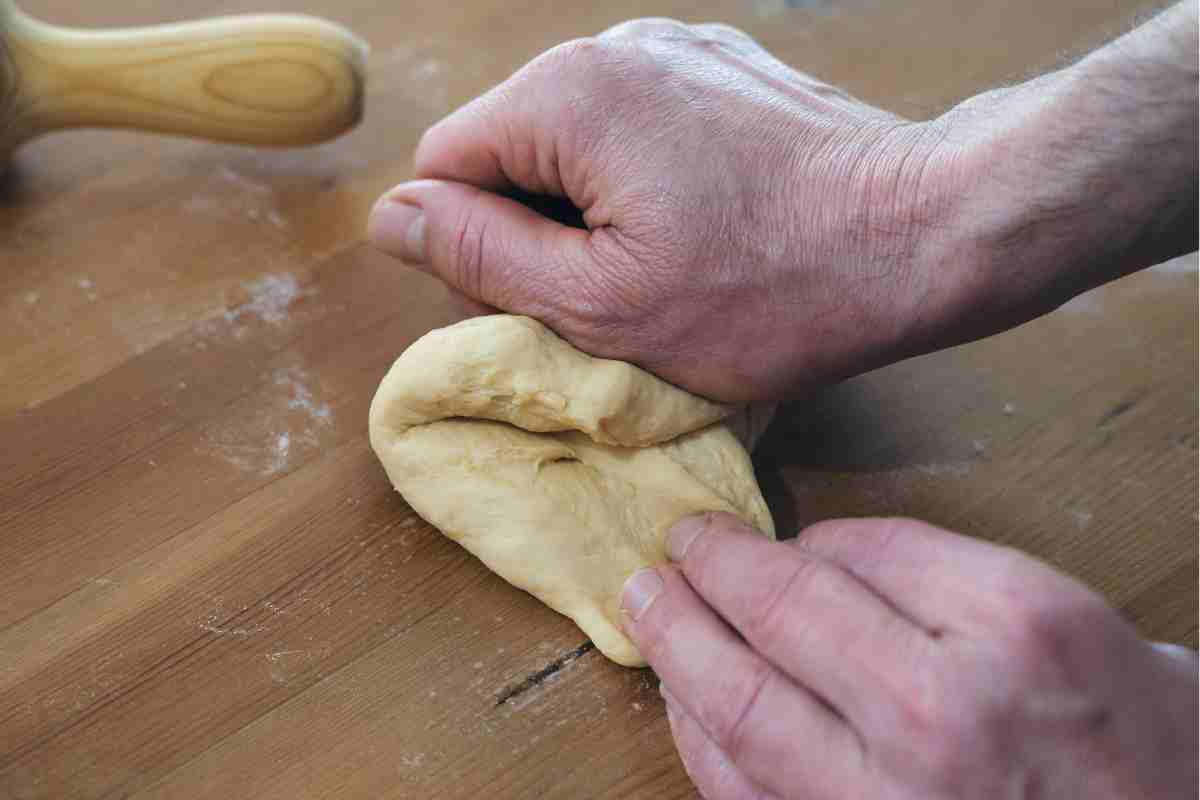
column 749, row 229
column 752, row 232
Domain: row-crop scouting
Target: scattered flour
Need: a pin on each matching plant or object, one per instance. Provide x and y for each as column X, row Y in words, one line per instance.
column 270, row 297
column 959, row 470
column 249, row 184
column 287, row 425
column 250, row 199
column 425, row 70
column 1081, row 518
column 213, row 622
column 302, row 398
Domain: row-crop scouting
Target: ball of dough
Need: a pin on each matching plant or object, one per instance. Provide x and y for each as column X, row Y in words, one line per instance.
column 561, row 472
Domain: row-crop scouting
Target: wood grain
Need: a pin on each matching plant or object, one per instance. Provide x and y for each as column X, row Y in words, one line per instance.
column 208, row 589
column 253, row 79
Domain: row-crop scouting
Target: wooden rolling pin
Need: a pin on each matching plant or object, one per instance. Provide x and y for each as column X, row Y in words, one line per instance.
column 271, row 79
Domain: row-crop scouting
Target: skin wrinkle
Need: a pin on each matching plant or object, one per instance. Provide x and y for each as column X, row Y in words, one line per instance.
column 732, row 740
column 469, row 256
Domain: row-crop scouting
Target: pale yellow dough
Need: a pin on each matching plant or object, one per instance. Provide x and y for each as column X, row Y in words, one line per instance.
column 560, row 471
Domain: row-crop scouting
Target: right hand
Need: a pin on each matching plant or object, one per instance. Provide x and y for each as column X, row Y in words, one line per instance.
column 751, row 230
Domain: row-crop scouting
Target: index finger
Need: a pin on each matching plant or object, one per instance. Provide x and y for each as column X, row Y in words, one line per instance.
column 514, row 135
column 813, row 620
column 778, row 733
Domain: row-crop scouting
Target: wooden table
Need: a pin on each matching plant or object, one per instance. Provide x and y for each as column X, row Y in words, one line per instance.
column 207, row 587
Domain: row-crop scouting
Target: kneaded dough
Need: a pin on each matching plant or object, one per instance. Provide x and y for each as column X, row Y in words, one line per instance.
column 560, row 471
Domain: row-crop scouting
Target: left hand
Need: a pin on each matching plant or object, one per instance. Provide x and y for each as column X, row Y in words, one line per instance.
column 891, row 659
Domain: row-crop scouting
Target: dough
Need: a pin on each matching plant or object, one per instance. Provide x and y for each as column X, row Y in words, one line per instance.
column 560, row 471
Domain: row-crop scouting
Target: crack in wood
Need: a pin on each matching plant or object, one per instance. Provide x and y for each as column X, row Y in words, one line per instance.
column 1124, row 407
column 535, row 679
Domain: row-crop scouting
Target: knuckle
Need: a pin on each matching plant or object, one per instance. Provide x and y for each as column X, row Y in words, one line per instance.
column 575, row 56
column 923, row 716
column 874, row 537
column 1044, row 611
column 645, row 27
column 466, row 254
column 656, row 637
column 722, row 31
column 738, row 710
column 946, row 762
column 776, row 618
column 942, row 735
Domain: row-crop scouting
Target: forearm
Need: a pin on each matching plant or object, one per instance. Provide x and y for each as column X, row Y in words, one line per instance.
column 1073, row 179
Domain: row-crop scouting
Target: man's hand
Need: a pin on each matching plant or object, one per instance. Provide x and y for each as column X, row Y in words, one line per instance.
column 891, row 659
column 750, row 229
column 753, row 231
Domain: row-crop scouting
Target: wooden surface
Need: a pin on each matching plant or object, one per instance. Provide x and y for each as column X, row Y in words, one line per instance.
column 207, row 588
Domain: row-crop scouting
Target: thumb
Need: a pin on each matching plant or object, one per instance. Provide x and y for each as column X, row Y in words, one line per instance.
column 492, row 249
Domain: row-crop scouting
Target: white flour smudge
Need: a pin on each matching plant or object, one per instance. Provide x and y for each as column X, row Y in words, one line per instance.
column 302, row 397
column 249, row 199
column 1081, row 518
column 425, row 70
column 212, row 623
column 287, row 664
column 412, row 761
column 249, row 184
column 279, row 460
column 959, row 470
column 288, row 426
column 270, row 297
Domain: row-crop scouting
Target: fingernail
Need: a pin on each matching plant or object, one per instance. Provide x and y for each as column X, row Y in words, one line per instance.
column 398, row 227
column 683, row 533
column 642, row 589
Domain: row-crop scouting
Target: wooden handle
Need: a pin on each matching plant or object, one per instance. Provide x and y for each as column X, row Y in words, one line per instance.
column 257, row 79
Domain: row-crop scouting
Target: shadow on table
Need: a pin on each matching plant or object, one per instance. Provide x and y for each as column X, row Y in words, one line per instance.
column 843, row 428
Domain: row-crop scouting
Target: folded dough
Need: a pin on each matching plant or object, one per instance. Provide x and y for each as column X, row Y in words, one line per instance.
column 560, row 471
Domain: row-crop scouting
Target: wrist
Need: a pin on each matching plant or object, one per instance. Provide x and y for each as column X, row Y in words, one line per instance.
column 1061, row 184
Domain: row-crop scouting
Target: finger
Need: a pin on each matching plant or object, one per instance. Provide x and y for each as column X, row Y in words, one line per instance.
column 492, row 249
column 947, row 583
column 518, row 134
column 811, row 619
column 778, row 733
column 468, row 145
column 713, row 772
